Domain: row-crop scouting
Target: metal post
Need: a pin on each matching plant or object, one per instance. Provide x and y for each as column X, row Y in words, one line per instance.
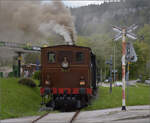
column 127, row 79
column 114, row 62
column 105, row 70
column 19, row 64
column 123, row 67
column 111, row 74
column 101, row 75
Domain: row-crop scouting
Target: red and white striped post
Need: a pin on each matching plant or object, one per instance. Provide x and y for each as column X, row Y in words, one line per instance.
column 122, row 33
column 123, row 67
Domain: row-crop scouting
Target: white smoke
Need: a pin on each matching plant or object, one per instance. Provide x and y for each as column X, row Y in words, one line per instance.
column 46, row 28
column 30, row 21
column 26, row 20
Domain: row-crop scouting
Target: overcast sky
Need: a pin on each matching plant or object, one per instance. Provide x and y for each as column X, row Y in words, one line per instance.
column 78, row 3
column 81, row 3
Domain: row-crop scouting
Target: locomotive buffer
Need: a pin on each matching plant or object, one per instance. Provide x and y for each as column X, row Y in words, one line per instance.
column 122, row 33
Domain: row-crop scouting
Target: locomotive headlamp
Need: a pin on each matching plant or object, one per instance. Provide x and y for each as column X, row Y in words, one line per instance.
column 82, row 80
column 65, row 63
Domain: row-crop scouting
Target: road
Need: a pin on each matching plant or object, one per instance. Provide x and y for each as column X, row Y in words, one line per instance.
column 107, row 84
column 134, row 114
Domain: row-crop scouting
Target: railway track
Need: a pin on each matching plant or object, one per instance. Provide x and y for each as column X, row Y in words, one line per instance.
column 74, row 116
column 34, row 121
column 71, row 121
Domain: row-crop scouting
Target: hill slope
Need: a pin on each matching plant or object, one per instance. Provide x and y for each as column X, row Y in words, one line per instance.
column 98, row 19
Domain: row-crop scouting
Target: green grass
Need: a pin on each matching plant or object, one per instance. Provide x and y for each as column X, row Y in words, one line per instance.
column 17, row 100
column 139, row 95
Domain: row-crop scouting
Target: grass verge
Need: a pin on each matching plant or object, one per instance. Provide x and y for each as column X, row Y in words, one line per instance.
column 139, row 95
column 17, row 100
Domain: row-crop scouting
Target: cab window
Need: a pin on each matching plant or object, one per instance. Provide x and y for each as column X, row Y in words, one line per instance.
column 51, row 57
column 79, row 57
column 63, row 54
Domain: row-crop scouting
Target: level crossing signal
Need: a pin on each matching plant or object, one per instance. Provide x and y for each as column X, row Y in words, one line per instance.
column 126, row 53
column 130, row 52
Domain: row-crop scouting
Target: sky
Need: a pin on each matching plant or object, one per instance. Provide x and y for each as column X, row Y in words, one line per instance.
column 79, row 3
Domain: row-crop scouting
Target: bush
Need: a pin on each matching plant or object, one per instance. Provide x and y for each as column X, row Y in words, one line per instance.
column 27, row 81
column 10, row 74
column 36, row 75
column 144, row 77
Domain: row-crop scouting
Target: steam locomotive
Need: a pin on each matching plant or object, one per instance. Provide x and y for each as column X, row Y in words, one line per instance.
column 68, row 76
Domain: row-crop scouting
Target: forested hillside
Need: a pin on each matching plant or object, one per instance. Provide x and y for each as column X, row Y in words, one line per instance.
column 94, row 28
column 98, row 19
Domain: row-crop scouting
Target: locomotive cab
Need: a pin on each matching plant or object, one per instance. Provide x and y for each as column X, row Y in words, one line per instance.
column 68, row 75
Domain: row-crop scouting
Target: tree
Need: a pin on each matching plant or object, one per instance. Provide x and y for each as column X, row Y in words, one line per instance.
column 142, row 51
column 144, row 33
column 32, row 58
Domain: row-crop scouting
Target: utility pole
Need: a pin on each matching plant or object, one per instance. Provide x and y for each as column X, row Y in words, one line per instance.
column 122, row 33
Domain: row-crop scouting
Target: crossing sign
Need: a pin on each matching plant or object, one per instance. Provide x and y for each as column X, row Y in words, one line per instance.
column 117, row 29
column 132, row 28
column 131, row 35
column 117, row 37
column 128, row 32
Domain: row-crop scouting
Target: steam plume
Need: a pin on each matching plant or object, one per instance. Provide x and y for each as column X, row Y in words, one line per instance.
column 33, row 21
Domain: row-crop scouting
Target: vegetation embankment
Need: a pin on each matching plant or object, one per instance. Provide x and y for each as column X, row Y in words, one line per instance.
column 19, row 100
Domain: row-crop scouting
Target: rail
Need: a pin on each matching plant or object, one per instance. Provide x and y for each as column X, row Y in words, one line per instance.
column 74, row 116
column 34, row 121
